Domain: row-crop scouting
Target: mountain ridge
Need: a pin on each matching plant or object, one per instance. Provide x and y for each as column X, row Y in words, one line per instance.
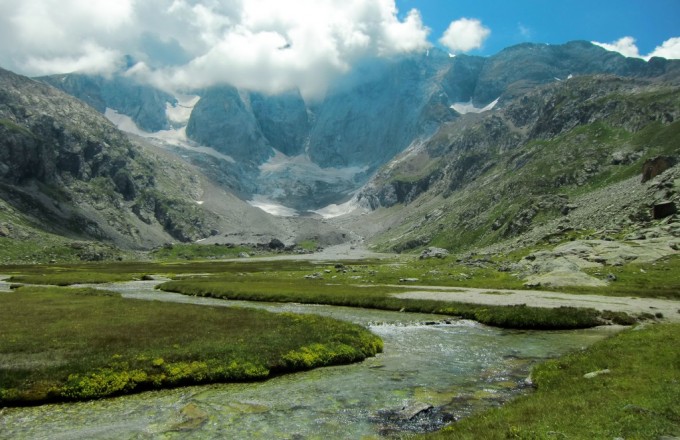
column 412, row 94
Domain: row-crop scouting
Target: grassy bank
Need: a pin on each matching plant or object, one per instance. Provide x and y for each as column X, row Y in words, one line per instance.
column 637, row 399
column 660, row 279
column 379, row 297
column 366, row 284
column 74, row 344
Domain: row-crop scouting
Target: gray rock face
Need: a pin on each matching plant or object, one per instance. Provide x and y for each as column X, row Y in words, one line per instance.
column 515, row 70
column 367, row 122
column 144, row 104
column 282, row 120
column 434, row 252
column 73, row 172
column 223, row 119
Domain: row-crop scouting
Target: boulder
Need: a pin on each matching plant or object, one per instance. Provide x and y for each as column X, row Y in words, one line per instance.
column 663, row 209
column 653, row 167
column 276, row 244
column 193, row 417
column 434, row 252
column 409, row 412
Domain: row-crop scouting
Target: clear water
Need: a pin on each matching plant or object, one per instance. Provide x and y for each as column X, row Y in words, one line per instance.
column 457, row 368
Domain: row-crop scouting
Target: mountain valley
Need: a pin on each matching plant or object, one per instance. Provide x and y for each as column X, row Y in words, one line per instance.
column 536, row 144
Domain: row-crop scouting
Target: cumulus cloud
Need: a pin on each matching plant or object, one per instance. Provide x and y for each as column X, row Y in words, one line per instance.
column 41, row 35
column 627, row 46
column 268, row 45
column 669, row 49
column 465, row 35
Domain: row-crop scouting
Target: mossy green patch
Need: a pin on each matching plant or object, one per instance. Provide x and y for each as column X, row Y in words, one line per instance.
column 74, row 344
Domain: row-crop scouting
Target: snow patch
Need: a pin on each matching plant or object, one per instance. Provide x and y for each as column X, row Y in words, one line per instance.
column 164, row 138
column 271, row 207
column 467, row 107
column 179, row 113
column 124, row 122
column 334, row 210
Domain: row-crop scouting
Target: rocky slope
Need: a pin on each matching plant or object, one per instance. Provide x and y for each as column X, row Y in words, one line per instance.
column 68, row 170
column 548, row 164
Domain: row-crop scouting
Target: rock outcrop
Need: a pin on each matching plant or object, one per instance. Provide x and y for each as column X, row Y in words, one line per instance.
column 74, row 173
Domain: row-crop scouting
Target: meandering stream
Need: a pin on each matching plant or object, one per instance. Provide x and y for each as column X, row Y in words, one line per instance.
column 455, row 368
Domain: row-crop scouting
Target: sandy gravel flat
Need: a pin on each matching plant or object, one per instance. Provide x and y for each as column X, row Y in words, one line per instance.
column 538, row 298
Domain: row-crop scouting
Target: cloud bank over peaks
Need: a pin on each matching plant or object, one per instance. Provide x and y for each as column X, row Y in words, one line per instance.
column 267, row 45
column 626, row 46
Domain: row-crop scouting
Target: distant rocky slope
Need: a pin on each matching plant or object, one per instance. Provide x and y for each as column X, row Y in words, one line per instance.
column 307, row 154
column 66, row 169
column 563, row 160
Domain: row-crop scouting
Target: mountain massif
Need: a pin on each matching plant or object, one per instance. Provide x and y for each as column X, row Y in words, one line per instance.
column 424, row 149
column 279, row 143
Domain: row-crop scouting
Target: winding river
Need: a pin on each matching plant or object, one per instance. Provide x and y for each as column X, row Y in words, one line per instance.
column 433, row 370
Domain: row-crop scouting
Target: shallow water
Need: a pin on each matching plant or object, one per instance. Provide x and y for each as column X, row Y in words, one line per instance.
column 457, row 367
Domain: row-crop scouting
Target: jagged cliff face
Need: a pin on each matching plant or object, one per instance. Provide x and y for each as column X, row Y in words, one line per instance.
column 72, row 172
column 309, row 154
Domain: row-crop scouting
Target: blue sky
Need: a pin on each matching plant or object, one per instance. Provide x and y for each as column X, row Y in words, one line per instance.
column 650, row 22
column 276, row 45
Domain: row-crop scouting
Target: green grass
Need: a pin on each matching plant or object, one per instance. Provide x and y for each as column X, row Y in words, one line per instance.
column 69, row 278
column 73, row 344
column 368, row 284
column 638, row 399
column 192, row 251
column 379, row 297
column 12, row 126
column 308, row 245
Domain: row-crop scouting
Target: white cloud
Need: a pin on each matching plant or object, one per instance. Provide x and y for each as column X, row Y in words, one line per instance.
column 91, row 59
column 41, row 35
column 669, row 49
column 626, row 46
column 264, row 44
column 465, row 35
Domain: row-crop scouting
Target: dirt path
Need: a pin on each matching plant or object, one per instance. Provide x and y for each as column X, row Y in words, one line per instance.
column 541, row 298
